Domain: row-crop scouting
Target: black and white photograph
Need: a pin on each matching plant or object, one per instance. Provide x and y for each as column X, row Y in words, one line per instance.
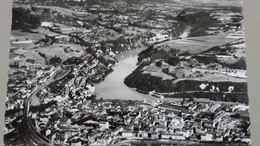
column 127, row 73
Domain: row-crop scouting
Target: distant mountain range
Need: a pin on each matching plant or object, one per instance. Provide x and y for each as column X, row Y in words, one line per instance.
column 194, row 2
column 217, row 2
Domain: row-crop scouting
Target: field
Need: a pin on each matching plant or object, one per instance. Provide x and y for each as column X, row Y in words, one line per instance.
column 24, row 39
column 200, row 44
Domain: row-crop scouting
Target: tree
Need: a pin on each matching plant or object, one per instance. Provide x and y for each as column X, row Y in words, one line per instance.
column 160, row 136
column 194, row 130
column 42, row 54
column 158, row 63
column 55, row 60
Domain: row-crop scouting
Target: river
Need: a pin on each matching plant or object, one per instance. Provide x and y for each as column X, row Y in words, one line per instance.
column 113, row 86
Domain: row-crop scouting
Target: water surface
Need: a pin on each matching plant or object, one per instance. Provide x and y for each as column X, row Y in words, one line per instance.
column 113, row 86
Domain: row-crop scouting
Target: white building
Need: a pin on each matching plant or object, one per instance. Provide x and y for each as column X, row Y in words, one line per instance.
column 46, row 24
column 206, row 137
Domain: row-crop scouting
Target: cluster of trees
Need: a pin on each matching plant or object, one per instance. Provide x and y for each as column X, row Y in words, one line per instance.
column 147, row 82
column 117, row 44
column 106, row 62
column 240, row 64
column 57, row 86
column 205, row 59
column 214, row 49
column 174, row 60
column 147, row 52
column 73, row 60
column 42, row 55
column 199, row 21
column 55, row 60
column 47, row 40
column 24, row 18
column 156, row 53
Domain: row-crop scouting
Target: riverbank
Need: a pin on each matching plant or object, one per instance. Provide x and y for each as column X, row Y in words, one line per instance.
column 113, row 86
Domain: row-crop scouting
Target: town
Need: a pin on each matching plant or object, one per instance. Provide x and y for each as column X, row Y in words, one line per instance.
column 61, row 51
column 107, row 122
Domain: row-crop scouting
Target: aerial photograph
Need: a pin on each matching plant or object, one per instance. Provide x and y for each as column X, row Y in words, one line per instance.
column 127, row 73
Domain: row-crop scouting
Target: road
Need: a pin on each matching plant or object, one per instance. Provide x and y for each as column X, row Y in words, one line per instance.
column 28, row 132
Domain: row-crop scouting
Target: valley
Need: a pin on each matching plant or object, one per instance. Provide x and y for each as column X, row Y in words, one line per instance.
column 124, row 72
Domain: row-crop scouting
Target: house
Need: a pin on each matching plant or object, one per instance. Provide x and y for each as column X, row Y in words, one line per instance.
column 143, row 134
column 116, row 131
column 218, row 118
column 193, row 138
column 225, row 57
column 208, row 124
column 192, row 107
column 166, row 136
column 186, row 113
column 47, row 24
column 94, row 135
column 127, row 133
column 154, row 135
column 174, row 136
column 185, row 133
column 14, row 64
column 206, row 137
column 76, row 143
column 103, row 140
column 200, row 130
column 171, row 107
column 246, row 140
column 160, row 128
column 219, row 138
column 104, row 125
